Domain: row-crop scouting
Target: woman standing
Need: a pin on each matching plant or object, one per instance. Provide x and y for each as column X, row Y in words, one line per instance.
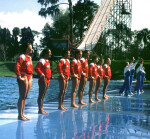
column 84, row 76
column 24, row 70
column 93, row 77
column 44, row 71
column 75, row 76
column 107, row 77
column 100, row 72
column 63, row 69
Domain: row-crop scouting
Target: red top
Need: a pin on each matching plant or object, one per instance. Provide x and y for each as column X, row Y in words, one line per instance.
column 43, row 67
column 84, row 65
column 23, row 65
column 64, row 67
column 93, row 70
column 107, row 71
column 76, row 68
column 100, row 71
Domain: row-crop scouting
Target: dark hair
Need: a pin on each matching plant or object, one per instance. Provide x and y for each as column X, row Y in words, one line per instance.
column 44, row 52
column 85, row 52
column 94, row 57
column 65, row 52
column 25, row 47
column 77, row 52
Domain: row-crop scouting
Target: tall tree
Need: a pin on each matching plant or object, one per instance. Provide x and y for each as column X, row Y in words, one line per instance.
column 82, row 15
column 14, row 47
column 5, row 42
column 121, row 36
column 51, row 7
column 142, row 39
column 26, row 37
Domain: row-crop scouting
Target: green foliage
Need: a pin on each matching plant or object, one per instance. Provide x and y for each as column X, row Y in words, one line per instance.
column 82, row 15
column 5, row 42
column 117, row 68
column 26, row 37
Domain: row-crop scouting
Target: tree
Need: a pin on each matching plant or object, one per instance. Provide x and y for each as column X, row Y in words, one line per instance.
column 48, row 33
column 5, row 42
column 26, row 37
column 82, row 15
column 142, row 39
column 14, row 47
column 52, row 8
column 121, row 36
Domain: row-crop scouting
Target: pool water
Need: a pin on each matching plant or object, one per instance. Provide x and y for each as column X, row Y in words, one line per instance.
column 118, row 117
column 9, row 92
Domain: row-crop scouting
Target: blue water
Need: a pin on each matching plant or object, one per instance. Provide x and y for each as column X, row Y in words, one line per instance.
column 116, row 118
column 9, row 92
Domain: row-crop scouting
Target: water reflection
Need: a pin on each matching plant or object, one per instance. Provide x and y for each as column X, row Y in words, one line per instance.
column 82, row 123
column 20, row 130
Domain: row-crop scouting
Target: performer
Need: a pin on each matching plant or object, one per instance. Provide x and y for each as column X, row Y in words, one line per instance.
column 100, row 72
column 126, row 84
column 139, row 73
column 63, row 69
column 93, row 77
column 24, row 70
column 44, row 71
column 132, row 71
column 128, row 77
column 75, row 76
column 84, row 75
column 142, row 79
column 107, row 77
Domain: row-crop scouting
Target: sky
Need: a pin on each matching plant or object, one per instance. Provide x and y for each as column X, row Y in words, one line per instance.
column 24, row 13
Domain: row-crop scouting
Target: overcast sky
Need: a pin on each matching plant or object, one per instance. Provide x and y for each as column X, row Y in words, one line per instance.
column 24, row 13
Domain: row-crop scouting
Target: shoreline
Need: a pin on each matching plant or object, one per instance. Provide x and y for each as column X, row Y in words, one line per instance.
column 54, row 78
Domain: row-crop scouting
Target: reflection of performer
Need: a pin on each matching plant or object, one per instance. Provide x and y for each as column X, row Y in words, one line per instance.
column 24, row 70
column 84, row 75
column 39, row 130
column 20, row 130
column 75, row 76
column 44, row 71
column 107, row 77
column 100, row 72
column 92, row 77
column 142, row 79
column 63, row 69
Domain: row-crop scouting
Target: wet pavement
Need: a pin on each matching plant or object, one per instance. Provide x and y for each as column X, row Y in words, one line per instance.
column 116, row 118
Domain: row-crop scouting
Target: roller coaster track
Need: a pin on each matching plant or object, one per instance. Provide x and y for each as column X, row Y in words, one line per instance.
column 96, row 26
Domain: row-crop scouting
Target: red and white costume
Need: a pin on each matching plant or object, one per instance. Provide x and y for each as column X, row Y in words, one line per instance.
column 107, row 71
column 43, row 68
column 63, row 67
column 93, row 71
column 24, row 66
column 76, row 68
column 100, row 71
column 84, row 65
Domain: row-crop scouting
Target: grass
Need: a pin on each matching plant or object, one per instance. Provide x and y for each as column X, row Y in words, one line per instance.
column 117, row 67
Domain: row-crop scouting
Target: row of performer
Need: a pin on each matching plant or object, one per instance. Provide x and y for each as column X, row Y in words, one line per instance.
column 129, row 72
column 78, row 70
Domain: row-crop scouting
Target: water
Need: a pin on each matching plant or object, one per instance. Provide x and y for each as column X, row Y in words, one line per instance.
column 9, row 92
column 116, row 118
